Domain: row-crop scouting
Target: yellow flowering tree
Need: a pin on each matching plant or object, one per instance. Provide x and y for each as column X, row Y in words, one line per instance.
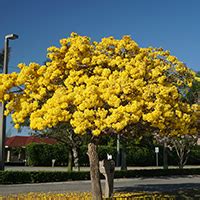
column 99, row 88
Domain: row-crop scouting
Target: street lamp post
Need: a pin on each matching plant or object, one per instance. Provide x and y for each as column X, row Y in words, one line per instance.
column 3, row 104
column 118, row 151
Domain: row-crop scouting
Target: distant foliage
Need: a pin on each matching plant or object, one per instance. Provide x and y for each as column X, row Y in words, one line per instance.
column 42, row 154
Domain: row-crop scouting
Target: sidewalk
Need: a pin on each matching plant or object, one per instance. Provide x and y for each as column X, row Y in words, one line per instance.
column 27, row 168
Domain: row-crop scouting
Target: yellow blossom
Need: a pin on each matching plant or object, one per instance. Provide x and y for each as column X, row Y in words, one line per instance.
column 101, row 85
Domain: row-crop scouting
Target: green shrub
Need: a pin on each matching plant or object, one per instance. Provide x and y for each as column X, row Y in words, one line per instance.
column 60, row 153
column 12, row 177
column 140, row 156
column 83, row 157
column 38, row 177
column 194, row 156
column 156, row 173
column 104, row 150
column 42, row 154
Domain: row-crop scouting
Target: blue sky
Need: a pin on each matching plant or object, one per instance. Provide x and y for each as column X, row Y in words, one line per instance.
column 171, row 24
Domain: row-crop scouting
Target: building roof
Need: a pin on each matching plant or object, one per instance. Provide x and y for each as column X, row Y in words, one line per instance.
column 22, row 141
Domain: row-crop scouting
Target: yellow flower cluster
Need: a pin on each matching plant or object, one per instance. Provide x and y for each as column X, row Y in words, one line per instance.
column 49, row 196
column 101, row 85
column 87, row 196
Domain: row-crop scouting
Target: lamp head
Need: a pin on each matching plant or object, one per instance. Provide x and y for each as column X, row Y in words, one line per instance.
column 11, row 36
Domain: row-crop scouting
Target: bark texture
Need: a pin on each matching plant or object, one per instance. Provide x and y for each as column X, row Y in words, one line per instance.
column 123, row 159
column 76, row 158
column 94, row 171
column 70, row 161
column 165, row 158
column 107, row 168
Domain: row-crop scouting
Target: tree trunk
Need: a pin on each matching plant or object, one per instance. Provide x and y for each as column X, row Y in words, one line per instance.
column 107, row 168
column 165, row 160
column 123, row 159
column 183, row 156
column 74, row 151
column 94, row 171
column 70, row 161
column 180, row 166
column 76, row 159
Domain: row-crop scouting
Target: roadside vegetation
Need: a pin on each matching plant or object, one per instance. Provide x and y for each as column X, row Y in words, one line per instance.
column 87, row 196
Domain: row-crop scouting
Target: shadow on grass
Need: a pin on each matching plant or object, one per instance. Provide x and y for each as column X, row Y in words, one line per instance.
column 181, row 191
column 159, row 187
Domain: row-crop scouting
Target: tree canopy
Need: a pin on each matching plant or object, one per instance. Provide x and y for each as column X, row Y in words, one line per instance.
column 101, row 86
column 193, row 96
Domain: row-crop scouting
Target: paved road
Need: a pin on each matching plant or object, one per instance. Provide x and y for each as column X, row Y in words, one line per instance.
column 167, row 184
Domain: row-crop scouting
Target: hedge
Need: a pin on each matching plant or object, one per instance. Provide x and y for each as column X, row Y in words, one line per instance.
column 140, row 156
column 42, row 155
column 156, row 173
column 15, row 177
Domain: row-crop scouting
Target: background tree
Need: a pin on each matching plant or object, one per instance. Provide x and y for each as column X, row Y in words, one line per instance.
column 135, row 135
column 64, row 134
column 102, row 88
column 181, row 144
column 193, row 96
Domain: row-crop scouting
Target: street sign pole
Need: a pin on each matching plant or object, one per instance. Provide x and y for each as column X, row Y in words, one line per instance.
column 157, row 151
